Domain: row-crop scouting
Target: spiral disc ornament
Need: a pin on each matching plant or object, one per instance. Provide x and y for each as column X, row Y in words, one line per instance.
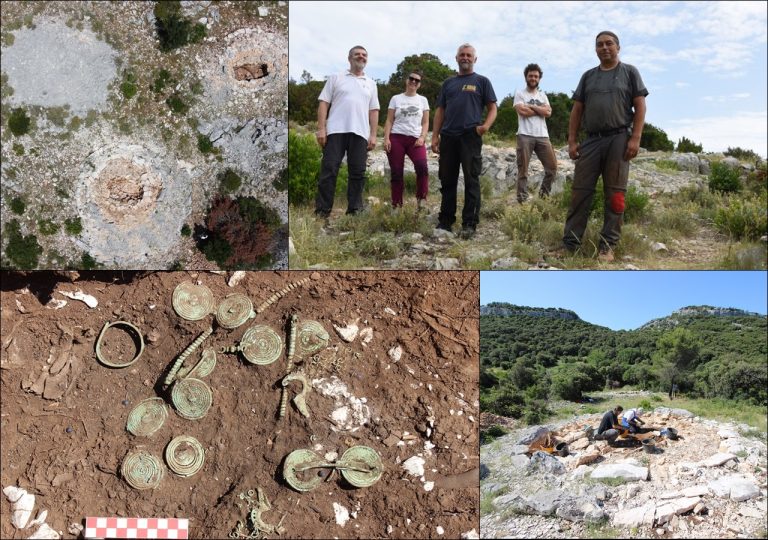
column 192, row 398
column 203, row 368
column 261, row 345
column 147, row 417
column 185, row 455
column 363, row 466
column 142, row 470
column 192, row 302
column 312, row 337
column 298, row 470
column 234, row 310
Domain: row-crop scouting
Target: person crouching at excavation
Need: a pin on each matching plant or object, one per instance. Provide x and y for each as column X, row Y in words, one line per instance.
column 405, row 132
column 609, row 427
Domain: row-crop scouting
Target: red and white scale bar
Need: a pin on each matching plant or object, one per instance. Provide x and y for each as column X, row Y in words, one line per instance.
column 121, row 527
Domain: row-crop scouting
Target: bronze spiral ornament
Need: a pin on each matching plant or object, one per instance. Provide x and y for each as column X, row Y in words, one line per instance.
column 312, row 337
column 142, row 470
column 147, row 417
column 185, row 455
column 261, row 345
column 192, row 398
column 192, row 302
column 234, row 310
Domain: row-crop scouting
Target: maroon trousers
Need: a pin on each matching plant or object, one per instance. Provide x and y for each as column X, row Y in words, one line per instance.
column 405, row 145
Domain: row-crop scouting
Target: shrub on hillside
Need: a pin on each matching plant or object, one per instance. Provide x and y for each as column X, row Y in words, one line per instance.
column 723, row 178
column 304, row 157
column 173, row 29
column 653, row 139
column 570, row 380
column 743, row 218
column 687, row 145
column 742, row 154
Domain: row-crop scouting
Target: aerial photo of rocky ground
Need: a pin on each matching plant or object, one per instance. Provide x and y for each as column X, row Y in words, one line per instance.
column 143, row 135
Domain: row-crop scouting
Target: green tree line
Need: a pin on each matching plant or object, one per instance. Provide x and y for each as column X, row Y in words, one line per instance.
column 526, row 360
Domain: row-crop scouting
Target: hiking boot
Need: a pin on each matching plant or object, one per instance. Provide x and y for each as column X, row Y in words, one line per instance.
column 606, row 255
column 442, row 227
column 467, row 233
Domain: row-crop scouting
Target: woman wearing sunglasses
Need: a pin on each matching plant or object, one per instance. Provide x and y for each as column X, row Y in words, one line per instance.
column 404, row 134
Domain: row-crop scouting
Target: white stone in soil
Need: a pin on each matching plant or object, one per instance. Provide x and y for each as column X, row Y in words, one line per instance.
column 341, row 513
column 348, row 333
column 395, row 353
column 620, row 470
column 414, row 465
column 22, row 505
column 717, row 459
column 634, row 517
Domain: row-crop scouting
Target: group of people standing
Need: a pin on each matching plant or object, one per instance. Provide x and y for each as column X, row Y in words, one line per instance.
column 609, row 102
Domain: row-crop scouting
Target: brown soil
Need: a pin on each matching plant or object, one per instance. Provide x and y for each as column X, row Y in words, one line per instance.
column 77, row 473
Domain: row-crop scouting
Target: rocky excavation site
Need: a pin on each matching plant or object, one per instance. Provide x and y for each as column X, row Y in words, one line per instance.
column 116, row 144
column 709, row 482
column 253, row 404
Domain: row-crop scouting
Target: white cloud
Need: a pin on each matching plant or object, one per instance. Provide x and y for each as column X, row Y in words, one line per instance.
column 716, row 133
column 681, row 84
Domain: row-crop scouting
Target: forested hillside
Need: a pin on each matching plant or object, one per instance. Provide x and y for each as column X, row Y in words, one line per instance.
column 527, row 359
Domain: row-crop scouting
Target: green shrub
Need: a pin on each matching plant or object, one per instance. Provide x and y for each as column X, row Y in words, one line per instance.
column 185, row 230
column 654, row 139
column 47, row 227
column 23, row 251
column 723, row 179
column 743, row 218
column 162, row 79
column 87, row 262
column 742, row 154
column 128, row 89
column 230, row 181
column 73, row 226
column 646, row 405
column 217, row 249
column 176, row 104
column 197, row 33
column 205, row 145
column 521, row 222
column 57, row 115
column 18, row 149
column 17, row 205
column 635, row 202
column 255, row 211
column 173, row 29
column 304, row 158
column 687, row 145
column 491, row 434
column 19, row 122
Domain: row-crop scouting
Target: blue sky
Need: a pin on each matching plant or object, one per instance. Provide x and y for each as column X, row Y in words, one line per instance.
column 626, row 300
column 704, row 63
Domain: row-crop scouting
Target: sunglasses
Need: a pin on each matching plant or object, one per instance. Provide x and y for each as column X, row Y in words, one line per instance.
column 414, row 80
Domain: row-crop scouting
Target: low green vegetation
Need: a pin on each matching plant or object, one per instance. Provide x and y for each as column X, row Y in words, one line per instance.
column 87, row 262
column 129, row 87
column 47, row 227
column 491, row 434
column 18, row 149
column 177, row 104
column 724, row 179
column 17, row 205
column 173, row 29
column 205, row 145
column 186, row 230
column 23, row 251
column 19, row 122
column 73, row 226
column 162, row 79
column 229, row 181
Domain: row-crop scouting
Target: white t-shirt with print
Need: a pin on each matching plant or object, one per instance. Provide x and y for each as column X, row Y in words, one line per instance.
column 351, row 98
column 533, row 126
column 409, row 110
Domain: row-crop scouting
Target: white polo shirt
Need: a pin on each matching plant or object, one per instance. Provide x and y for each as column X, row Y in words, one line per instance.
column 351, row 98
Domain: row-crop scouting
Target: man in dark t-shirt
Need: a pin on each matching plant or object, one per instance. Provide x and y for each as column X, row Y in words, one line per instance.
column 608, row 430
column 609, row 103
column 457, row 135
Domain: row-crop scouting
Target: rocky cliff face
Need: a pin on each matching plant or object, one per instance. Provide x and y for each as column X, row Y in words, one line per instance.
column 509, row 310
column 690, row 311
